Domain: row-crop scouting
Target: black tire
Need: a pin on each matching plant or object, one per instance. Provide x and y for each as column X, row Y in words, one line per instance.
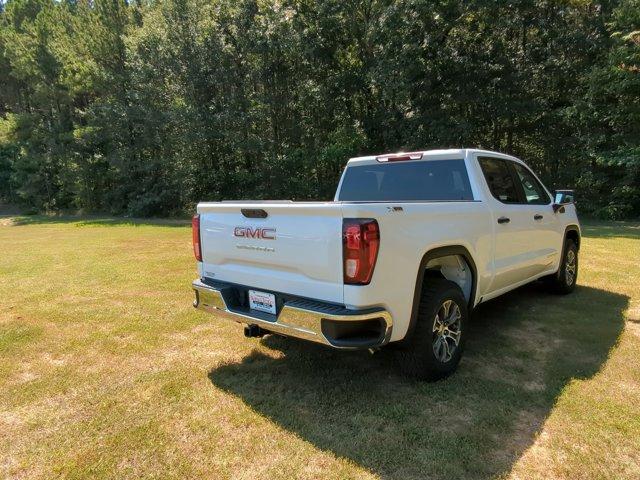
column 564, row 281
column 418, row 358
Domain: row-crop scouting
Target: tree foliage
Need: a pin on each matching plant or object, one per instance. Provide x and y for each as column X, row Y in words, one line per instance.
column 145, row 107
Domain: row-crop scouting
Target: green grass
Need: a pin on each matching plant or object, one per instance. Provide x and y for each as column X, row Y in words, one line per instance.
column 106, row 371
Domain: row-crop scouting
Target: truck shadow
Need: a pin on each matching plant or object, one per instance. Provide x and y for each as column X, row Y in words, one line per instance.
column 522, row 349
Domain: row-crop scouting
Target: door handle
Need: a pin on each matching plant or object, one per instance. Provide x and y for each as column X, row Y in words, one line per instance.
column 538, row 217
column 504, row 220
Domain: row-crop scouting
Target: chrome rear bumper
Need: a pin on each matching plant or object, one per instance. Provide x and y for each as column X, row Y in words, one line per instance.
column 318, row 322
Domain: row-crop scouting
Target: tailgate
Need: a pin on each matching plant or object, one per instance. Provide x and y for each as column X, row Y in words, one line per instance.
column 296, row 249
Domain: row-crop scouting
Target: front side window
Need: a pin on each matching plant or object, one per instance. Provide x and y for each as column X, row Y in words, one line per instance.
column 424, row 180
column 496, row 172
column 533, row 191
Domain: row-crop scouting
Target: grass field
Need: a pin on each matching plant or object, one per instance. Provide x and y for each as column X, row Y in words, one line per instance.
column 106, row 371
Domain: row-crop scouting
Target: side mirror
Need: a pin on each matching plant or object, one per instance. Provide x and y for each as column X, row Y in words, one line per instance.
column 563, row 197
column 560, row 199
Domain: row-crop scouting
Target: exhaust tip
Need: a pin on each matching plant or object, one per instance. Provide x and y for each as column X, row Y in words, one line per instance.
column 253, row 331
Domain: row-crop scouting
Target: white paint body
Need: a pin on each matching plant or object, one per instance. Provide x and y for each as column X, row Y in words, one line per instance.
column 305, row 258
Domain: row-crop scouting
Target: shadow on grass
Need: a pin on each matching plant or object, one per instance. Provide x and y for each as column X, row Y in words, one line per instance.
column 84, row 221
column 611, row 230
column 522, row 349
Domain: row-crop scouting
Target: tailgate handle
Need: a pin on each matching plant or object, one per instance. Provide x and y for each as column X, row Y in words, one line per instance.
column 254, row 213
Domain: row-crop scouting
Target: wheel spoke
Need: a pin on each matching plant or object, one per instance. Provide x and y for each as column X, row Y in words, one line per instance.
column 437, row 347
column 444, row 351
column 453, row 317
column 453, row 335
column 447, row 351
column 437, row 323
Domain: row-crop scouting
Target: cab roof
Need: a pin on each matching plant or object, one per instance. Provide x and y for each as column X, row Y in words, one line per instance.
column 440, row 153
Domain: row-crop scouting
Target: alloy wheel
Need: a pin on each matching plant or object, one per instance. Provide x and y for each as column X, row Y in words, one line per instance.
column 570, row 267
column 447, row 330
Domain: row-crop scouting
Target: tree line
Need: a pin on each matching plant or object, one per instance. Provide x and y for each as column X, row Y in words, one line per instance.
column 145, row 107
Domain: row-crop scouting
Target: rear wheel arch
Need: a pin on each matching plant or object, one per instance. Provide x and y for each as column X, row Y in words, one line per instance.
column 424, row 273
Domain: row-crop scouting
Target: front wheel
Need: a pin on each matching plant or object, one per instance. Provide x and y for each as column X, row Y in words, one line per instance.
column 435, row 348
column 564, row 281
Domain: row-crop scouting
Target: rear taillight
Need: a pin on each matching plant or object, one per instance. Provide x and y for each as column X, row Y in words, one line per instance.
column 195, row 232
column 360, row 244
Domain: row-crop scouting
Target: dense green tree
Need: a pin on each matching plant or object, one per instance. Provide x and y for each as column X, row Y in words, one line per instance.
column 610, row 120
column 144, row 108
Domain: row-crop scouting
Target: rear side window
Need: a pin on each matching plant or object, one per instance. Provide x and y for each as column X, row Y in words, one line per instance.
column 499, row 179
column 424, row 180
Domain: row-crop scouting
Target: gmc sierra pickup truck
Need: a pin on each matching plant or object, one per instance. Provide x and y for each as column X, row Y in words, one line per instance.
column 411, row 243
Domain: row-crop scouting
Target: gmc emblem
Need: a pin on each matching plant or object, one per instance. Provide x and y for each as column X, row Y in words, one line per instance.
column 248, row 232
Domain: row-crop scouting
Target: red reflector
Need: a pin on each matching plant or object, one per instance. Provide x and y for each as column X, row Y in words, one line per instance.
column 195, row 232
column 398, row 157
column 360, row 244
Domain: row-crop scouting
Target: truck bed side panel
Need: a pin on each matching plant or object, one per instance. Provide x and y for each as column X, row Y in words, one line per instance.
column 406, row 235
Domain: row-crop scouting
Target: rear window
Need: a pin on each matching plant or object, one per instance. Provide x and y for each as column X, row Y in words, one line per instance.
column 428, row 180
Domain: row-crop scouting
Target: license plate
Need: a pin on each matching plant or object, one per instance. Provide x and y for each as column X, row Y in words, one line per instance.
column 265, row 302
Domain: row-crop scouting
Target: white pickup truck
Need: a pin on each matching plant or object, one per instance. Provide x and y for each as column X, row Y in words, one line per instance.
column 411, row 243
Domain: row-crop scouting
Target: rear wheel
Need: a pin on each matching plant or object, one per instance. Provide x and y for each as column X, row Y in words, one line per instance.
column 435, row 348
column 564, row 281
